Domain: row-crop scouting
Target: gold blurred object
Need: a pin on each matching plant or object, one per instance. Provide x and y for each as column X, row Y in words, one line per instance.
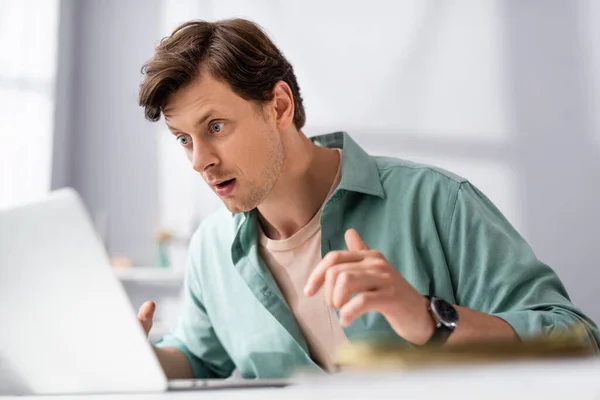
column 163, row 235
column 573, row 343
column 121, row 262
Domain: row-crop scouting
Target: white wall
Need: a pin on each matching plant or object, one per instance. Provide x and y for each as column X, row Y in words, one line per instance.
column 505, row 93
column 105, row 147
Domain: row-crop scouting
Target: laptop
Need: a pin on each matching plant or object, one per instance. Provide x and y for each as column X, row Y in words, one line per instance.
column 67, row 325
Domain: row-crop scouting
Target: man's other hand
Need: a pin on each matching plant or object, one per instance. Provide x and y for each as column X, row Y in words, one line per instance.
column 145, row 315
column 175, row 364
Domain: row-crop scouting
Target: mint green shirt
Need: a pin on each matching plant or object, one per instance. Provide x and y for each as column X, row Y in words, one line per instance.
column 441, row 233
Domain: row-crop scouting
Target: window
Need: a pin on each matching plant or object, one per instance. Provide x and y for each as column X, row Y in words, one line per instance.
column 28, row 59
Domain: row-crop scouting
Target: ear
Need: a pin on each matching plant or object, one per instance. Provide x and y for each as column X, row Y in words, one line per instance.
column 283, row 105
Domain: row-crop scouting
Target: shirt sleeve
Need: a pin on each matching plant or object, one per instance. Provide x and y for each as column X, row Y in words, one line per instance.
column 495, row 271
column 194, row 335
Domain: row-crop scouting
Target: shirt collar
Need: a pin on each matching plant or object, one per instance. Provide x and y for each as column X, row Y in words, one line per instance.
column 359, row 170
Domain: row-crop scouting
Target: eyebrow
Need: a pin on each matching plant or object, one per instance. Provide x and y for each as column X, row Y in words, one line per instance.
column 200, row 121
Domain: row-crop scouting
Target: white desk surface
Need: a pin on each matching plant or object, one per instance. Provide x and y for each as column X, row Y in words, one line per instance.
column 572, row 380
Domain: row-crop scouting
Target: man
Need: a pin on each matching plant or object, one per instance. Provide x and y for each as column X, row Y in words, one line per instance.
column 321, row 243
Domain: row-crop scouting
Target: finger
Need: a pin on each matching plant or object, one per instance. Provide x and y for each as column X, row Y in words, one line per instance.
column 354, row 241
column 331, row 277
column 358, row 305
column 146, row 311
column 349, row 283
column 317, row 277
column 145, row 315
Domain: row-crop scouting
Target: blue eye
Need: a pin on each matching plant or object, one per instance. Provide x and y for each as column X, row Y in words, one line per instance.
column 217, row 127
column 184, row 140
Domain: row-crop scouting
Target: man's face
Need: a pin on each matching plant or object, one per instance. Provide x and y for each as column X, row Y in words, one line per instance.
column 229, row 141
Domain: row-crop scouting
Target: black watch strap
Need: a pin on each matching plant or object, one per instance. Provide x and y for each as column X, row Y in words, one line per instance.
column 441, row 332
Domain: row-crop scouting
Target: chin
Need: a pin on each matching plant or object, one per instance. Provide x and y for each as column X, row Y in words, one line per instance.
column 238, row 208
column 243, row 202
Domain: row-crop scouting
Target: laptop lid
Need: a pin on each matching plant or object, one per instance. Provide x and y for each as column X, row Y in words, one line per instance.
column 67, row 325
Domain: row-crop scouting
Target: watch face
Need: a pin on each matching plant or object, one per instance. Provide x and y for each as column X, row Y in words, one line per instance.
column 446, row 312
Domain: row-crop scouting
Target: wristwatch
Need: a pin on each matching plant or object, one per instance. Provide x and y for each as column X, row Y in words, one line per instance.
column 445, row 317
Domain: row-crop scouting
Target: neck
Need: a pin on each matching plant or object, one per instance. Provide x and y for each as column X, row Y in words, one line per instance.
column 306, row 178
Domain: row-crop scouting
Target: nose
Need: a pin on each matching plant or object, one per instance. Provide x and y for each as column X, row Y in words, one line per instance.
column 203, row 158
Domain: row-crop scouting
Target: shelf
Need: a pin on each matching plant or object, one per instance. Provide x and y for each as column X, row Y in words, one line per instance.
column 149, row 275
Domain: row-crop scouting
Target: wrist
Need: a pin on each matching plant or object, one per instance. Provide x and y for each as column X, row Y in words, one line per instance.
column 427, row 328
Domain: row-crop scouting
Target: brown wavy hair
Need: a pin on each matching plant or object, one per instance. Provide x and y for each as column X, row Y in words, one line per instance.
column 235, row 51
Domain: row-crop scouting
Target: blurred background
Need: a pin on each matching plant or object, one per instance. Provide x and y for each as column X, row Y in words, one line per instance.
column 504, row 93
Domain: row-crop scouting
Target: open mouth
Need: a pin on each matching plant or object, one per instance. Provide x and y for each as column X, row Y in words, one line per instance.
column 225, row 188
column 224, row 184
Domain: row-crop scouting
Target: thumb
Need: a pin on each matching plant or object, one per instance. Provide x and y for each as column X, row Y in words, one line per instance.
column 354, row 242
column 145, row 315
